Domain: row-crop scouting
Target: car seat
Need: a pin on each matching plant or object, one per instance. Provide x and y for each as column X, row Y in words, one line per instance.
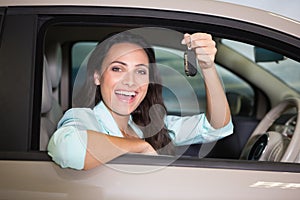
column 51, row 111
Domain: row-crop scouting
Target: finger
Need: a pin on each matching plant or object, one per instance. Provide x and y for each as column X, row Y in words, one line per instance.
column 211, row 50
column 198, row 40
column 203, row 43
column 195, row 36
column 186, row 39
column 201, row 36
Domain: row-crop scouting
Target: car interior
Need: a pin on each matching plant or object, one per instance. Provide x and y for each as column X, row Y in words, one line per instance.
column 67, row 45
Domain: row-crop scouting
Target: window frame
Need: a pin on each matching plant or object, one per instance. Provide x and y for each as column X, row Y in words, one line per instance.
column 221, row 27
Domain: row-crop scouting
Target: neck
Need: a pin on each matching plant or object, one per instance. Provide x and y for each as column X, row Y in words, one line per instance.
column 121, row 120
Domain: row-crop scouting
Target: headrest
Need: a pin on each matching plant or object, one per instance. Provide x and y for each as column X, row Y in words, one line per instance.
column 54, row 59
column 47, row 89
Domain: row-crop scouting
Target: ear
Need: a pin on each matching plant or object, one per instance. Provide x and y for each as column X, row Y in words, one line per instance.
column 96, row 78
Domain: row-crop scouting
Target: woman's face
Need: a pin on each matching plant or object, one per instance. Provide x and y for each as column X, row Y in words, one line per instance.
column 124, row 79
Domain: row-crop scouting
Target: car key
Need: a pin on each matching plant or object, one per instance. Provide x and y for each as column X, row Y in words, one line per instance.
column 190, row 63
column 190, row 60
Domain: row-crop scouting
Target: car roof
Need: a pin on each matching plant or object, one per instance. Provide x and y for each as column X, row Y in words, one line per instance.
column 215, row 8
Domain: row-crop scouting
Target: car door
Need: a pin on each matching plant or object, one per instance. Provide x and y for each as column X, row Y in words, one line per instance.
column 64, row 36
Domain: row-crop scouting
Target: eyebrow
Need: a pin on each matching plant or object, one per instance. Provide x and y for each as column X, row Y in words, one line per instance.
column 122, row 63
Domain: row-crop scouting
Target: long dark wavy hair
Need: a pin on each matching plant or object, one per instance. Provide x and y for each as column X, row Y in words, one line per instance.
column 149, row 115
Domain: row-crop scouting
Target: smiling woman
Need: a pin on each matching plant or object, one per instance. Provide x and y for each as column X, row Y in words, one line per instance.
column 128, row 90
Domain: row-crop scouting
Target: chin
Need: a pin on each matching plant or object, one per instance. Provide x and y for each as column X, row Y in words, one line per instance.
column 123, row 110
column 126, row 107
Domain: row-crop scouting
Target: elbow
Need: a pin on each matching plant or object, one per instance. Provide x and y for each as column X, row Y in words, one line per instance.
column 228, row 128
column 90, row 162
column 67, row 147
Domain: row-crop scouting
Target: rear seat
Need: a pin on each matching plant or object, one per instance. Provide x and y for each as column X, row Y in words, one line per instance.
column 51, row 111
column 54, row 59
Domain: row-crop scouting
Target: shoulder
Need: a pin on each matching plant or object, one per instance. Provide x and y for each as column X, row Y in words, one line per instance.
column 78, row 115
column 79, row 111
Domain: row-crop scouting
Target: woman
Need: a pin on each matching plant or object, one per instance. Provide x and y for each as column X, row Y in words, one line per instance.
column 129, row 113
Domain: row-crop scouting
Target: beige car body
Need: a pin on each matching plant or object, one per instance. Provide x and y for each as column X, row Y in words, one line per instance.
column 142, row 179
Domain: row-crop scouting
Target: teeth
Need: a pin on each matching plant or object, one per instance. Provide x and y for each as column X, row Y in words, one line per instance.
column 125, row 93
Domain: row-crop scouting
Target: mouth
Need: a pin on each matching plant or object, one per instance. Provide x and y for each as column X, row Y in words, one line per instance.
column 126, row 96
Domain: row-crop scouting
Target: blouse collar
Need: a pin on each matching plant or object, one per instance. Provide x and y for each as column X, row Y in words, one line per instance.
column 109, row 124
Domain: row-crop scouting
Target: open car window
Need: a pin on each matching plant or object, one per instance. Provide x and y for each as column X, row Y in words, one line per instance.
column 178, row 86
column 249, row 100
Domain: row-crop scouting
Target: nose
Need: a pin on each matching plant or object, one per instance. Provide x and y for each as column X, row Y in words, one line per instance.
column 129, row 79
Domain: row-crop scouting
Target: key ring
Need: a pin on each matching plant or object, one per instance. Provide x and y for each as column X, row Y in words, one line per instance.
column 189, row 44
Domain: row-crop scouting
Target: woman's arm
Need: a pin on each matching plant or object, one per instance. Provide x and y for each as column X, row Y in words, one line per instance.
column 102, row 148
column 218, row 112
column 81, row 149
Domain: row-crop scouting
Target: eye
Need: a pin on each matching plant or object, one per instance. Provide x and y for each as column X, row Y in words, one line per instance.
column 142, row 71
column 116, row 69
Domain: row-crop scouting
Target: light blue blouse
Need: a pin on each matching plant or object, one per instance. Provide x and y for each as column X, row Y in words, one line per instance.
column 68, row 144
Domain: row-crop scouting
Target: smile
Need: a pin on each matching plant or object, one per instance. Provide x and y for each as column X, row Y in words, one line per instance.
column 126, row 93
column 126, row 96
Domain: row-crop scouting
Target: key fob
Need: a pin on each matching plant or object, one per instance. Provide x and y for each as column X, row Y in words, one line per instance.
column 190, row 63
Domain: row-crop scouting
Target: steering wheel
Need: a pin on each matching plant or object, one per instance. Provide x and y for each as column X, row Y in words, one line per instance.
column 272, row 145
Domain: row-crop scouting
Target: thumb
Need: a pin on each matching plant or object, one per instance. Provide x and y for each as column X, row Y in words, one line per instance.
column 185, row 38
